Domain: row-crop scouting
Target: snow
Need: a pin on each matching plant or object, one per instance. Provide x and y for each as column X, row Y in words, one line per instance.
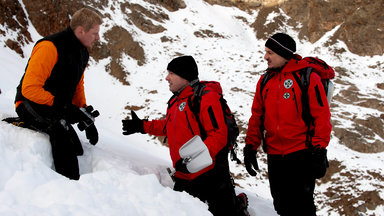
column 126, row 175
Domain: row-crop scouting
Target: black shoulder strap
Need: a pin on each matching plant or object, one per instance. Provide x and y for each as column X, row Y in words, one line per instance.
column 266, row 77
column 305, row 75
column 198, row 90
column 170, row 100
column 194, row 104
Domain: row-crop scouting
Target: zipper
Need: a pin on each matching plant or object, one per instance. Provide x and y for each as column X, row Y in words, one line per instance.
column 265, row 95
column 189, row 124
column 294, row 98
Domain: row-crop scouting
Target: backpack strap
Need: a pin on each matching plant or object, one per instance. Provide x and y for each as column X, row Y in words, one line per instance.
column 266, row 77
column 305, row 75
column 194, row 104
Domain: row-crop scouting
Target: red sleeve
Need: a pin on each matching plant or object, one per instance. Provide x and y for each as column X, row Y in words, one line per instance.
column 216, row 136
column 155, row 127
column 319, row 109
column 43, row 58
column 253, row 136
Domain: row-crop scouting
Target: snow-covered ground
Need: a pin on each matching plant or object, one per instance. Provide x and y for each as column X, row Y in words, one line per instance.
column 126, row 175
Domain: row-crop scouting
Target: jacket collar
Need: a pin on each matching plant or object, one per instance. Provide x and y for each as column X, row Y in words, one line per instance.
column 185, row 92
column 292, row 65
column 73, row 39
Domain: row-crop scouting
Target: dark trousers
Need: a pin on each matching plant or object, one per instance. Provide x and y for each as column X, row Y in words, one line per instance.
column 214, row 187
column 292, row 184
column 65, row 143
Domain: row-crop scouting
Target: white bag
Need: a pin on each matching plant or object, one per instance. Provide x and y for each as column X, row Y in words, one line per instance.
column 195, row 155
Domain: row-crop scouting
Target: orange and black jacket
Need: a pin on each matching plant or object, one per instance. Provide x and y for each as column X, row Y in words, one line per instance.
column 55, row 71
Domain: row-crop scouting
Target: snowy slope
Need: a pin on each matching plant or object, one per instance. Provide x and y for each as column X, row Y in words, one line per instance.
column 125, row 175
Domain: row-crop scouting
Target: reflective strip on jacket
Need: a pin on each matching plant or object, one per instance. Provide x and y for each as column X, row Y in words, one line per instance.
column 180, row 125
column 284, row 125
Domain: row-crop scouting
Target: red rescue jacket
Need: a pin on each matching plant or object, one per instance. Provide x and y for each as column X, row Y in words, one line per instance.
column 180, row 125
column 281, row 102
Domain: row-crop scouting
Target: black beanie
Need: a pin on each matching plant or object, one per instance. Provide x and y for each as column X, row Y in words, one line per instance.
column 282, row 44
column 185, row 67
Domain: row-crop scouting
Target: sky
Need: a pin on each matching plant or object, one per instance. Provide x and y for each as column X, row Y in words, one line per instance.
column 126, row 175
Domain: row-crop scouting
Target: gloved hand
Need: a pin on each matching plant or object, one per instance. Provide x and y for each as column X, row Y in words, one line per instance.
column 134, row 125
column 250, row 160
column 319, row 161
column 92, row 134
column 72, row 114
column 66, row 111
column 180, row 166
column 88, row 115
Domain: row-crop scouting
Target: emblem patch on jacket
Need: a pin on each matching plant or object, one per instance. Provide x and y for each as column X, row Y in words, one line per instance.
column 288, row 83
column 182, row 106
column 286, row 95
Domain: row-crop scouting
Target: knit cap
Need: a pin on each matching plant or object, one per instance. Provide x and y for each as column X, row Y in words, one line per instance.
column 282, row 44
column 185, row 67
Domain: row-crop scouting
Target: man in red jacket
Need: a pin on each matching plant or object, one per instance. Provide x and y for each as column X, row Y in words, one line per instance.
column 292, row 164
column 211, row 183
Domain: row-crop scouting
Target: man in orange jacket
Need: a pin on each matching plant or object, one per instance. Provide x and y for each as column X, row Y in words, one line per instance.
column 293, row 161
column 211, row 183
column 51, row 91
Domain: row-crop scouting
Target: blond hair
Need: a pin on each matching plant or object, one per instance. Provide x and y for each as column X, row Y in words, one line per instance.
column 86, row 18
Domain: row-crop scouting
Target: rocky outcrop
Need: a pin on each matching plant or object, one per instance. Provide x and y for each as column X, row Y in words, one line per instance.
column 14, row 19
column 121, row 42
column 170, row 5
column 359, row 22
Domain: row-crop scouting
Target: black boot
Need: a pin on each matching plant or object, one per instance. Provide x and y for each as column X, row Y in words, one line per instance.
column 242, row 201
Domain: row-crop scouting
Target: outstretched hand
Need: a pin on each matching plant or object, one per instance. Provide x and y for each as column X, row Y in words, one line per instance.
column 250, row 160
column 134, row 125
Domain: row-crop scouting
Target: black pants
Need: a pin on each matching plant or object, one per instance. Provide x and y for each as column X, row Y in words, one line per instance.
column 65, row 143
column 292, row 184
column 214, row 187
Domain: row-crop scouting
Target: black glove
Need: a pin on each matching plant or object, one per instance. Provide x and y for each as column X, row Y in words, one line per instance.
column 92, row 134
column 134, row 125
column 319, row 162
column 67, row 111
column 180, row 166
column 88, row 115
column 250, row 160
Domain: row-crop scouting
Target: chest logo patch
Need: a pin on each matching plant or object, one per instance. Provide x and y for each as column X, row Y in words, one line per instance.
column 288, row 83
column 182, row 106
column 286, row 95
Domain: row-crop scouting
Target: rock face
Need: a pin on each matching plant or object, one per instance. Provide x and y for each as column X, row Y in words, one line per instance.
column 360, row 22
column 14, row 18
